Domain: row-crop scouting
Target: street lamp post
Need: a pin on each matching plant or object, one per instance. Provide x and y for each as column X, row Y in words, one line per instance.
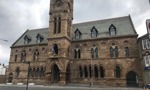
column 27, row 62
column 91, row 80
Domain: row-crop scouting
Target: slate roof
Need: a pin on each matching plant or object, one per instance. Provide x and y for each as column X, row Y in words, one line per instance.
column 33, row 34
column 124, row 26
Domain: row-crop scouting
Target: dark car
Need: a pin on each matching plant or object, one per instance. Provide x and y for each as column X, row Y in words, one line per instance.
column 147, row 86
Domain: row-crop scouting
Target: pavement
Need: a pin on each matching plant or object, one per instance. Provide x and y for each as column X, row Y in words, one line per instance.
column 68, row 87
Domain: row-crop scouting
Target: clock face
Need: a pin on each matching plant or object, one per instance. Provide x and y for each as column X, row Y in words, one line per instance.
column 58, row 2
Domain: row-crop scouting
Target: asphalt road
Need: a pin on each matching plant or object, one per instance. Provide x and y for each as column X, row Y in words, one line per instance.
column 60, row 88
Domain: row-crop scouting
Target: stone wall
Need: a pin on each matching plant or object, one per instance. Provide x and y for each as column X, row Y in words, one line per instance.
column 2, row 79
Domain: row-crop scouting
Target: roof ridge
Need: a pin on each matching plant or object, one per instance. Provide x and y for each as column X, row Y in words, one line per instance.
column 101, row 20
column 38, row 29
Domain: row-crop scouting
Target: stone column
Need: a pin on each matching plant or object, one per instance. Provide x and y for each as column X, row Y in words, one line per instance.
column 62, row 81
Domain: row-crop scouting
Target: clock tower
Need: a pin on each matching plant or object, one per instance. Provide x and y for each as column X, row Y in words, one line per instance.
column 60, row 25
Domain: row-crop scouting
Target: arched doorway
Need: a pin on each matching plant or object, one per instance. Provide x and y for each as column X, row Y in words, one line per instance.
column 55, row 74
column 68, row 74
column 10, row 78
column 131, row 79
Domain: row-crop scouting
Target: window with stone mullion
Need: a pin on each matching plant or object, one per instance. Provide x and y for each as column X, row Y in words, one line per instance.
column 147, row 44
column 80, row 72
column 144, row 44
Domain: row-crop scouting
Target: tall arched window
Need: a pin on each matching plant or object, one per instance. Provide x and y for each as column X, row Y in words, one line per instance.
column 37, row 72
column 30, row 72
column 114, row 51
column 94, row 32
column 127, row 51
column 42, row 72
column 59, row 25
column 80, row 72
column 36, row 55
column 94, row 52
column 17, row 72
column 117, row 72
column 102, row 72
column 15, row 58
column 85, row 72
column 77, row 53
column 34, row 72
column 112, row 30
column 90, row 71
column 55, row 49
column 55, row 25
column 23, row 56
column 96, row 71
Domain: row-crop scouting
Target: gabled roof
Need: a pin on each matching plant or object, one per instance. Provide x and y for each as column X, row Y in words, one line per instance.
column 33, row 34
column 124, row 27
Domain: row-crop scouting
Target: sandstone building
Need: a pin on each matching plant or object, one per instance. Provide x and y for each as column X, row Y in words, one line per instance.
column 104, row 51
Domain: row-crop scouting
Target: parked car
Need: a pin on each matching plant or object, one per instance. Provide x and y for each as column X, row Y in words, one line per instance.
column 147, row 86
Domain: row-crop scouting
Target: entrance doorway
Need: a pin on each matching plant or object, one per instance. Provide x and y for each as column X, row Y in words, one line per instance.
column 131, row 79
column 10, row 78
column 55, row 74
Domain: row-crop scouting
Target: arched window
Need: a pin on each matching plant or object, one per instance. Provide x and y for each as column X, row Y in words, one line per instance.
column 55, row 49
column 59, row 25
column 30, row 72
column 117, row 72
column 85, row 72
column 23, row 56
column 77, row 53
column 114, row 51
column 16, row 58
column 80, row 72
column 96, row 71
column 112, row 30
column 41, row 72
column 17, row 72
column 90, row 71
column 36, row 55
column 94, row 52
column 77, row 34
column 34, row 72
column 111, row 52
column 102, row 72
column 127, row 52
column 94, row 32
column 55, row 25
column 37, row 72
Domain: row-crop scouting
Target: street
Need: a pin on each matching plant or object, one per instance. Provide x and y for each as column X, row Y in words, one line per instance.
column 23, row 87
